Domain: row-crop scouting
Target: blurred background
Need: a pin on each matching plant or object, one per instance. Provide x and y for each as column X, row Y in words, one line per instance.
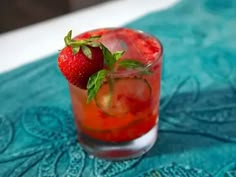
column 18, row 13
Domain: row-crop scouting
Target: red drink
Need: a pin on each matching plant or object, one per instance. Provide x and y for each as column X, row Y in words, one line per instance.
column 127, row 103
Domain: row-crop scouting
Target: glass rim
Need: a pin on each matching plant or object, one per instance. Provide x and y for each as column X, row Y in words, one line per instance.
column 146, row 66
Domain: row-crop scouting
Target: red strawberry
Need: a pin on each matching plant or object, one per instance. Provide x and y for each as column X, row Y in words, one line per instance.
column 78, row 61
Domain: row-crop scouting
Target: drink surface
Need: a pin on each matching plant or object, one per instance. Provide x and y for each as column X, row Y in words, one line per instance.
column 131, row 109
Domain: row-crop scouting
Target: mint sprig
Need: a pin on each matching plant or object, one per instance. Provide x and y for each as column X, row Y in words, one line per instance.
column 118, row 54
column 134, row 64
column 111, row 58
column 94, row 83
column 87, row 52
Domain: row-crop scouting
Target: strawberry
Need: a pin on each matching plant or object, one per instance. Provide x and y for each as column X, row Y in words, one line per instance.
column 80, row 59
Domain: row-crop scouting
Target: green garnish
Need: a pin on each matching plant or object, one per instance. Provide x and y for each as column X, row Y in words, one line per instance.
column 129, row 63
column 134, row 64
column 94, row 83
column 82, row 44
column 110, row 59
column 118, row 54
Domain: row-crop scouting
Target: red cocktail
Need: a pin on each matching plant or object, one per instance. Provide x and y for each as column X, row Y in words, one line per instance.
column 120, row 121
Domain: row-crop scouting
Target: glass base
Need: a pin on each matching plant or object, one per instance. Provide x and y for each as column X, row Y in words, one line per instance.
column 119, row 151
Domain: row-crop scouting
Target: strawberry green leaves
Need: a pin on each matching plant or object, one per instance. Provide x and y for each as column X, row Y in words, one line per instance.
column 67, row 38
column 87, row 52
column 83, row 44
column 94, row 83
column 110, row 59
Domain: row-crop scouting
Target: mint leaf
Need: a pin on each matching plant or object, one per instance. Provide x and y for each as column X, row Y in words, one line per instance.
column 86, row 51
column 129, row 63
column 94, row 83
column 118, row 54
column 109, row 60
column 134, row 64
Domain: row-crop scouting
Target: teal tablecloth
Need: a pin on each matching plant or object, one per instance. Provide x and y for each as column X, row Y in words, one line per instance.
column 197, row 136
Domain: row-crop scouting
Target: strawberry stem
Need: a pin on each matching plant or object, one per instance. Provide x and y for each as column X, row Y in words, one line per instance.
column 82, row 43
column 92, row 41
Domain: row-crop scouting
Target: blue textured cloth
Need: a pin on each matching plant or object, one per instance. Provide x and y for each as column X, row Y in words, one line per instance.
column 197, row 135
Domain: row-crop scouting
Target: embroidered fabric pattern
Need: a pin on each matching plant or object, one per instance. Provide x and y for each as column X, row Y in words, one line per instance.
column 197, row 135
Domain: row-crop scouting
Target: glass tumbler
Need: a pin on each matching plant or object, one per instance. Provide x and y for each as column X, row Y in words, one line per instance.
column 122, row 124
